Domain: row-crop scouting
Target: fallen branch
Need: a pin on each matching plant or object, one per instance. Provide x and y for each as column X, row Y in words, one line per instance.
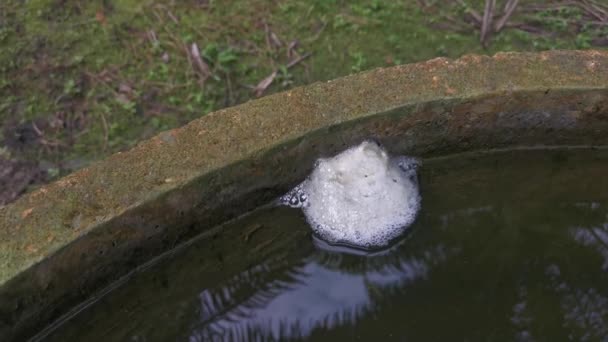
column 509, row 9
column 594, row 13
column 593, row 10
column 471, row 11
column 298, row 60
column 486, row 24
column 528, row 28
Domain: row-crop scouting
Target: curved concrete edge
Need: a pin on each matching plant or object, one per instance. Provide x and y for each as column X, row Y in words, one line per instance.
column 94, row 225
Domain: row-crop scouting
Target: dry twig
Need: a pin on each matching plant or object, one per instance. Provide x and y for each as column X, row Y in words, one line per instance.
column 509, row 9
column 486, row 24
column 298, row 60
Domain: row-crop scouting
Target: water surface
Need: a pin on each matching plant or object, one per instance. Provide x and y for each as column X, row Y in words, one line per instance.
column 510, row 245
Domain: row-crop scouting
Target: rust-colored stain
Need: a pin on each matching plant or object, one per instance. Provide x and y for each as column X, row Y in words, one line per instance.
column 132, row 197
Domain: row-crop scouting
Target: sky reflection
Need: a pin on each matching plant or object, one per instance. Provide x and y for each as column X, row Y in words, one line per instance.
column 324, row 297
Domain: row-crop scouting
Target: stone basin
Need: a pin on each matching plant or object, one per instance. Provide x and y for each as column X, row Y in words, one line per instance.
column 67, row 240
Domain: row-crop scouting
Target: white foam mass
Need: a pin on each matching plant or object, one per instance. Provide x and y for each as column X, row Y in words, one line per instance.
column 361, row 197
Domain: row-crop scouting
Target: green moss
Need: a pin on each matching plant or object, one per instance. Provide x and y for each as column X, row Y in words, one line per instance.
column 104, row 75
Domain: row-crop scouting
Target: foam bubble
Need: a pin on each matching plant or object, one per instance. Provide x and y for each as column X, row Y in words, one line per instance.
column 361, row 197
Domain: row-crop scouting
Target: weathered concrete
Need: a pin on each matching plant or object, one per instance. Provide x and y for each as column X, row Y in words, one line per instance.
column 66, row 240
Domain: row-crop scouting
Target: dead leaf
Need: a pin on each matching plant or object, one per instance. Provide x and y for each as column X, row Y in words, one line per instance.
column 264, row 84
column 200, row 63
column 275, row 40
column 125, row 88
column 26, row 212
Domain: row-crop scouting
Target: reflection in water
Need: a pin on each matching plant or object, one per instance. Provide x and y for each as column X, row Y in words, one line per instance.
column 596, row 237
column 330, row 290
column 584, row 310
column 319, row 296
column 521, row 318
column 587, row 309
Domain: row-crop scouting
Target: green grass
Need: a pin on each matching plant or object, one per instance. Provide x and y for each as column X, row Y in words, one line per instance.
column 95, row 77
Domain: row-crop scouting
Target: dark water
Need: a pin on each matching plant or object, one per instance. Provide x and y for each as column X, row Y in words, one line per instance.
column 509, row 246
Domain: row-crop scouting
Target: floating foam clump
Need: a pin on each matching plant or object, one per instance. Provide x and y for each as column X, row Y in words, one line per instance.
column 360, row 197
